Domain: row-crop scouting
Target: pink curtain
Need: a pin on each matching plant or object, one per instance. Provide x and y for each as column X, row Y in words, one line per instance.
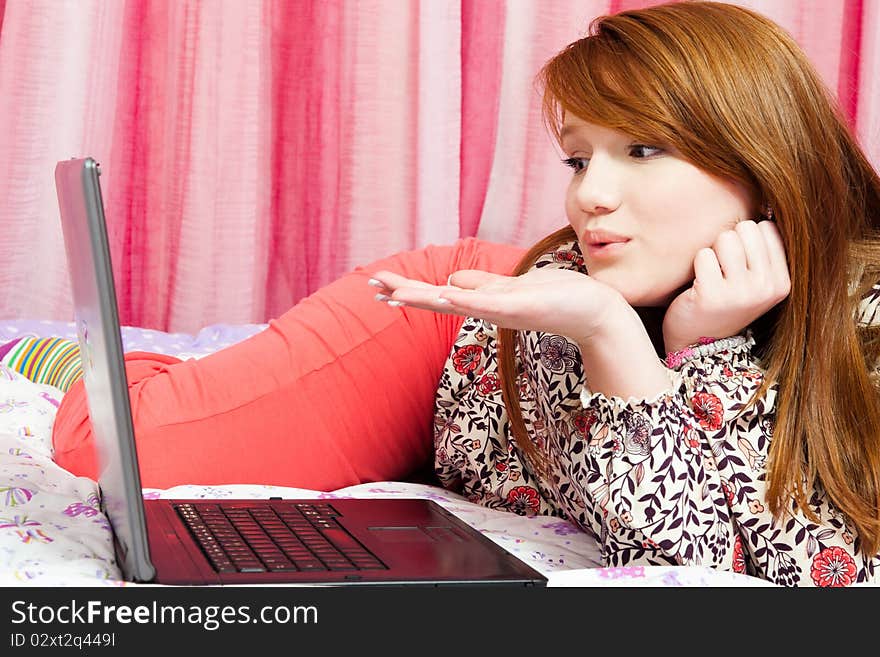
column 254, row 151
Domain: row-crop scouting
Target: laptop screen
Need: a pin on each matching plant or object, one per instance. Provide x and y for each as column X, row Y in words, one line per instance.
column 100, row 342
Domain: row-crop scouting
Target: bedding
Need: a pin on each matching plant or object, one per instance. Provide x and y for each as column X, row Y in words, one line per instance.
column 53, row 533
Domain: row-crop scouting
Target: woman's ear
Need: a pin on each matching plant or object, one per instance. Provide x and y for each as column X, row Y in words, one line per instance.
column 766, row 212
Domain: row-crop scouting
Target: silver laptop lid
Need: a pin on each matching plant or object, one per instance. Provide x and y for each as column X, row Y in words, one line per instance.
column 100, row 343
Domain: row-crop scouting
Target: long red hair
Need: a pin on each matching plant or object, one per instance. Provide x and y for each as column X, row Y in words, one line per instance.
column 737, row 97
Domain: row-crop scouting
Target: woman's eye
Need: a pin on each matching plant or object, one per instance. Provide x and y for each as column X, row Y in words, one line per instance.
column 577, row 164
column 641, row 151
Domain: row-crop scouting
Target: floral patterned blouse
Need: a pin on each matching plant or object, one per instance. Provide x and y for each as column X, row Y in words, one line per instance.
column 677, row 479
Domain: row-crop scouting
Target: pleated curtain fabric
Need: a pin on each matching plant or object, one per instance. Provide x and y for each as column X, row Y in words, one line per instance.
column 254, row 151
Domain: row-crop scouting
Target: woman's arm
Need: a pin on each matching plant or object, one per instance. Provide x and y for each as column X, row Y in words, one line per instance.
column 682, row 477
column 620, row 360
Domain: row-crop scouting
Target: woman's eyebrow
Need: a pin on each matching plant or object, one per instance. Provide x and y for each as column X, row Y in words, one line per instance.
column 569, row 136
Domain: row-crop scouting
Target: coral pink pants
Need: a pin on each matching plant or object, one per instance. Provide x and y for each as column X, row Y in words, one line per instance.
column 337, row 391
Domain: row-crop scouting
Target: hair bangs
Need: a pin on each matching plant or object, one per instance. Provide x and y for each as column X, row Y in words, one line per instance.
column 601, row 81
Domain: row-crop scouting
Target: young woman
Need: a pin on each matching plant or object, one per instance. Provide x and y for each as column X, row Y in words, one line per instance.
column 687, row 370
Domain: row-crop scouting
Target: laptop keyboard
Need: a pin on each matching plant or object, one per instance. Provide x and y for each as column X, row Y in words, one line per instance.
column 284, row 537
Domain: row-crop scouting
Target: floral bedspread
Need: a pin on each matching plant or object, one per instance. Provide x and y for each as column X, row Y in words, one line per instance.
column 53, row 532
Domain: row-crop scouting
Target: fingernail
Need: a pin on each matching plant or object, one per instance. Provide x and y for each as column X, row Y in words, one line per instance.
column 382, row 297
column 375, row 283
column 396, row 303
column 442, row 300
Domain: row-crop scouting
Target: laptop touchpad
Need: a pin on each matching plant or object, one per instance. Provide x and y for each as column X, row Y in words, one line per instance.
column 400, row 534
column 414, row 534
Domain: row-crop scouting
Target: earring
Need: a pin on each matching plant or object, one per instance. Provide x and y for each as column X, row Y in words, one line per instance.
column 767, row 211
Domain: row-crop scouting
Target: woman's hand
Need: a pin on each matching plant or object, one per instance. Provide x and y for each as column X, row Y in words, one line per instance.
column 742, row 276
column 616, row 352
column 558, row 301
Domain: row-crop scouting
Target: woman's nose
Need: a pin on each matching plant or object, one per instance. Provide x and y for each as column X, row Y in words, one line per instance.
column 598, row 189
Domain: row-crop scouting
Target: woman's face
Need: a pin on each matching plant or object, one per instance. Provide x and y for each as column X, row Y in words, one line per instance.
column 641, row 212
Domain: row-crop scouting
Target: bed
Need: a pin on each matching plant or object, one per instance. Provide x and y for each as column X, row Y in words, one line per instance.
column 53, row 533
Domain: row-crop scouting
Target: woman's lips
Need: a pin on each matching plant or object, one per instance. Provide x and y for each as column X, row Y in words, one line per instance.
column 606, row 249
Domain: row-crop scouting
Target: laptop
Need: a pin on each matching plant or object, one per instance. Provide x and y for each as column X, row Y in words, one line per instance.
column 241, row 541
